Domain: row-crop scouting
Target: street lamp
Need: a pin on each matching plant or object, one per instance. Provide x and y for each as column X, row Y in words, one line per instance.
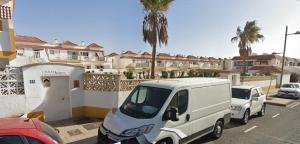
column 283, row 57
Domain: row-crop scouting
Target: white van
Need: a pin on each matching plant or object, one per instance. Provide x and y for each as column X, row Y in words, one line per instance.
column 170, row 112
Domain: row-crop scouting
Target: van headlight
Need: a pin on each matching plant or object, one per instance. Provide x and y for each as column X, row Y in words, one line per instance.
column 237, row 108
column 136, row 132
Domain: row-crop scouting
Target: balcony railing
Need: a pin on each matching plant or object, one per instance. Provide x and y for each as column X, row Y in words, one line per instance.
column 5, row 12
column 142, row 65
column 72, row 57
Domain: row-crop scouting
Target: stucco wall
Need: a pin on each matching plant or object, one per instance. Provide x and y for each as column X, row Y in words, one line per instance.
column 12, row 105
column 36, row 93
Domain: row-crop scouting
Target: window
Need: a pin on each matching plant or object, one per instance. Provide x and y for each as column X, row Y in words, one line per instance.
column 88, row 67
column 76, row 83
column 10, row 139
column 85, row 53
column 51, row 51
column 145, row 102
column 33, row 140
column 180, row 101
column 255, row 93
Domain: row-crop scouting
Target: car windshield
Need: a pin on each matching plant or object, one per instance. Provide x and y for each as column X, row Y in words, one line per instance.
column 240, row 93
column 288, row 86
column 145, row 102
column 51, row 132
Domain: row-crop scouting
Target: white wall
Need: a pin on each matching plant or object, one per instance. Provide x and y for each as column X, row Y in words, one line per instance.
column 36, row 92
column 12, row 105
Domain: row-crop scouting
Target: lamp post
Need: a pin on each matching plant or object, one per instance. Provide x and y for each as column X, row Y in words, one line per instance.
column 284, row 49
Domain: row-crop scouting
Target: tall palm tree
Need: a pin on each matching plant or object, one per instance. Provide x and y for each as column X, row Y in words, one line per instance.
column 155, row 26
column 249, row 35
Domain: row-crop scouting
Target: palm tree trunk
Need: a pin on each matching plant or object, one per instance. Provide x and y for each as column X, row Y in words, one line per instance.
column 153, row 62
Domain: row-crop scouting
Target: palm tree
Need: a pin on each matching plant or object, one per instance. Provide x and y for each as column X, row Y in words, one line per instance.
column 155, row 26
column 251, row 34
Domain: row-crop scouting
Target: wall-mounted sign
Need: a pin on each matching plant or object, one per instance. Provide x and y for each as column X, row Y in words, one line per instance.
column 53, row 73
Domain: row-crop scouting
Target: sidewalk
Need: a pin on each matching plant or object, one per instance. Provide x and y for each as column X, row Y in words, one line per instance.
column 272, row 100
column 75, row 130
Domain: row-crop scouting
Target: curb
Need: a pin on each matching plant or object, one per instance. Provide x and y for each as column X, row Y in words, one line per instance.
column 279, row 104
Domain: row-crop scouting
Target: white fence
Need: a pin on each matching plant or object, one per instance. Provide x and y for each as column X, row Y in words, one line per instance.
column 11, row 82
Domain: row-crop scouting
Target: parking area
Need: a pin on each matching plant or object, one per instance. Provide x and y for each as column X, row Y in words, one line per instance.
column 279, row 125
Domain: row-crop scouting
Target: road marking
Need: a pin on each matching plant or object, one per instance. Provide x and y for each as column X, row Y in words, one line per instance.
column 292, row 106
column 250, row 129
column 274, row 116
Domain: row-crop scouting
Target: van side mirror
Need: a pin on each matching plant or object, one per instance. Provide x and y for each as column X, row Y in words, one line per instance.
column 171, row 114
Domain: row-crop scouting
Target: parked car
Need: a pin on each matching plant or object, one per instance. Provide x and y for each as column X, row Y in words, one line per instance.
column 27, row 131
column 170, row 111
column 289, row 90
column 247, row 101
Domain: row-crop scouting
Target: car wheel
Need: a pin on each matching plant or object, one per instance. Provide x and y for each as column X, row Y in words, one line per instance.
column 218, row 130
column 262, row 111
column 246, row 117
column 165, row 141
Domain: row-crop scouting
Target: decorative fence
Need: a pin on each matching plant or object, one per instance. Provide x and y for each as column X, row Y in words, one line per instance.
column 5, row 12
column 11, row 82
column 108, row 82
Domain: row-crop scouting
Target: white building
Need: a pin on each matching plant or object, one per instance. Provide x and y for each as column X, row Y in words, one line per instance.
column 141, row 63
column 34, row 50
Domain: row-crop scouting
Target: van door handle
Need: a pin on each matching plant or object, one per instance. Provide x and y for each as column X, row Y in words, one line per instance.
column 187, row 117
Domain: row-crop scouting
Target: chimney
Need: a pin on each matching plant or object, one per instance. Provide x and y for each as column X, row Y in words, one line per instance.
column 55, row 41
column 82, row 43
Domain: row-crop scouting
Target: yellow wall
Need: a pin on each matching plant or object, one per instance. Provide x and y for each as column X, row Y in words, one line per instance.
column 90, row 112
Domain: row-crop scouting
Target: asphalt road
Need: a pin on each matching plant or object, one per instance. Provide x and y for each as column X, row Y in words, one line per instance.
column 280, row 125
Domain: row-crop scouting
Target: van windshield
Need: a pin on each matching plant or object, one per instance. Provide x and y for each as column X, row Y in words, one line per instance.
column 145, row 102
column 240, row 93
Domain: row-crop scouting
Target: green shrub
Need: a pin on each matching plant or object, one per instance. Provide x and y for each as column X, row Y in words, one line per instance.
column 172, row 74
column 128, row 75
column 294, row 77
column 164, row 74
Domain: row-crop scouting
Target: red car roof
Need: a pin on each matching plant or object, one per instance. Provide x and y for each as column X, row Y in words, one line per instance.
column 16, row 123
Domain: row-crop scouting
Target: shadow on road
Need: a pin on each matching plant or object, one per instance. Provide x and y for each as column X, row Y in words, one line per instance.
column 91, row 140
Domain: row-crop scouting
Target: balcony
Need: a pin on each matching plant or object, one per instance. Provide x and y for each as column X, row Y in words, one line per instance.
column 5, row 12
column 142, row 65
column 72, row 57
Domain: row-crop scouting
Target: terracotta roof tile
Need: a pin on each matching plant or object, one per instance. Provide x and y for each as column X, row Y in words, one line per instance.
column 255, row 57
column 30, row 39
column 112, row 54
column 163, row 54
column 94, row 45
column 146, row 54
column 191, row 57
column 130, row 52
column 69, row 43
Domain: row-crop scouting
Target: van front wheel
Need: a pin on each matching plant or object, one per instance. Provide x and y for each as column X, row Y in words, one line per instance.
column 218, row 130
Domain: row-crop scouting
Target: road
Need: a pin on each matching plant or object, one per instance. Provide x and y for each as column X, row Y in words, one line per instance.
column 280, row 125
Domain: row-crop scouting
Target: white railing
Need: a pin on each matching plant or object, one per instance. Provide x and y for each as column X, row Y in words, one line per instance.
column 11, row 82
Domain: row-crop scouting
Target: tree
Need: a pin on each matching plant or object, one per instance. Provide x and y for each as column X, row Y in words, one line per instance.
column 249, row 35
column 155, row 26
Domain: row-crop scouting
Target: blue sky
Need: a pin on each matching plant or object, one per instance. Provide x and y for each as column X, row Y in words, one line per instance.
column 198, row 27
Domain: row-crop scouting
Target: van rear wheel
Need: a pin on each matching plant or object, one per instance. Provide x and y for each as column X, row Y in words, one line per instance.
column 218, row 130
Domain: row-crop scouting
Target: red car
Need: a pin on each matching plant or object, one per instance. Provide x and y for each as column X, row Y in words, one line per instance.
column 27, row 131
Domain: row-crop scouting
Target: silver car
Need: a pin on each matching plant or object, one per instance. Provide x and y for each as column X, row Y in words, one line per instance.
column 289, row 90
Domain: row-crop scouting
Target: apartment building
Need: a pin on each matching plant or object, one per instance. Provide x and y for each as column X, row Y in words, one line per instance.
column 141, row 62
column 32, row 49
column 264, row 62
column 7, row 32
